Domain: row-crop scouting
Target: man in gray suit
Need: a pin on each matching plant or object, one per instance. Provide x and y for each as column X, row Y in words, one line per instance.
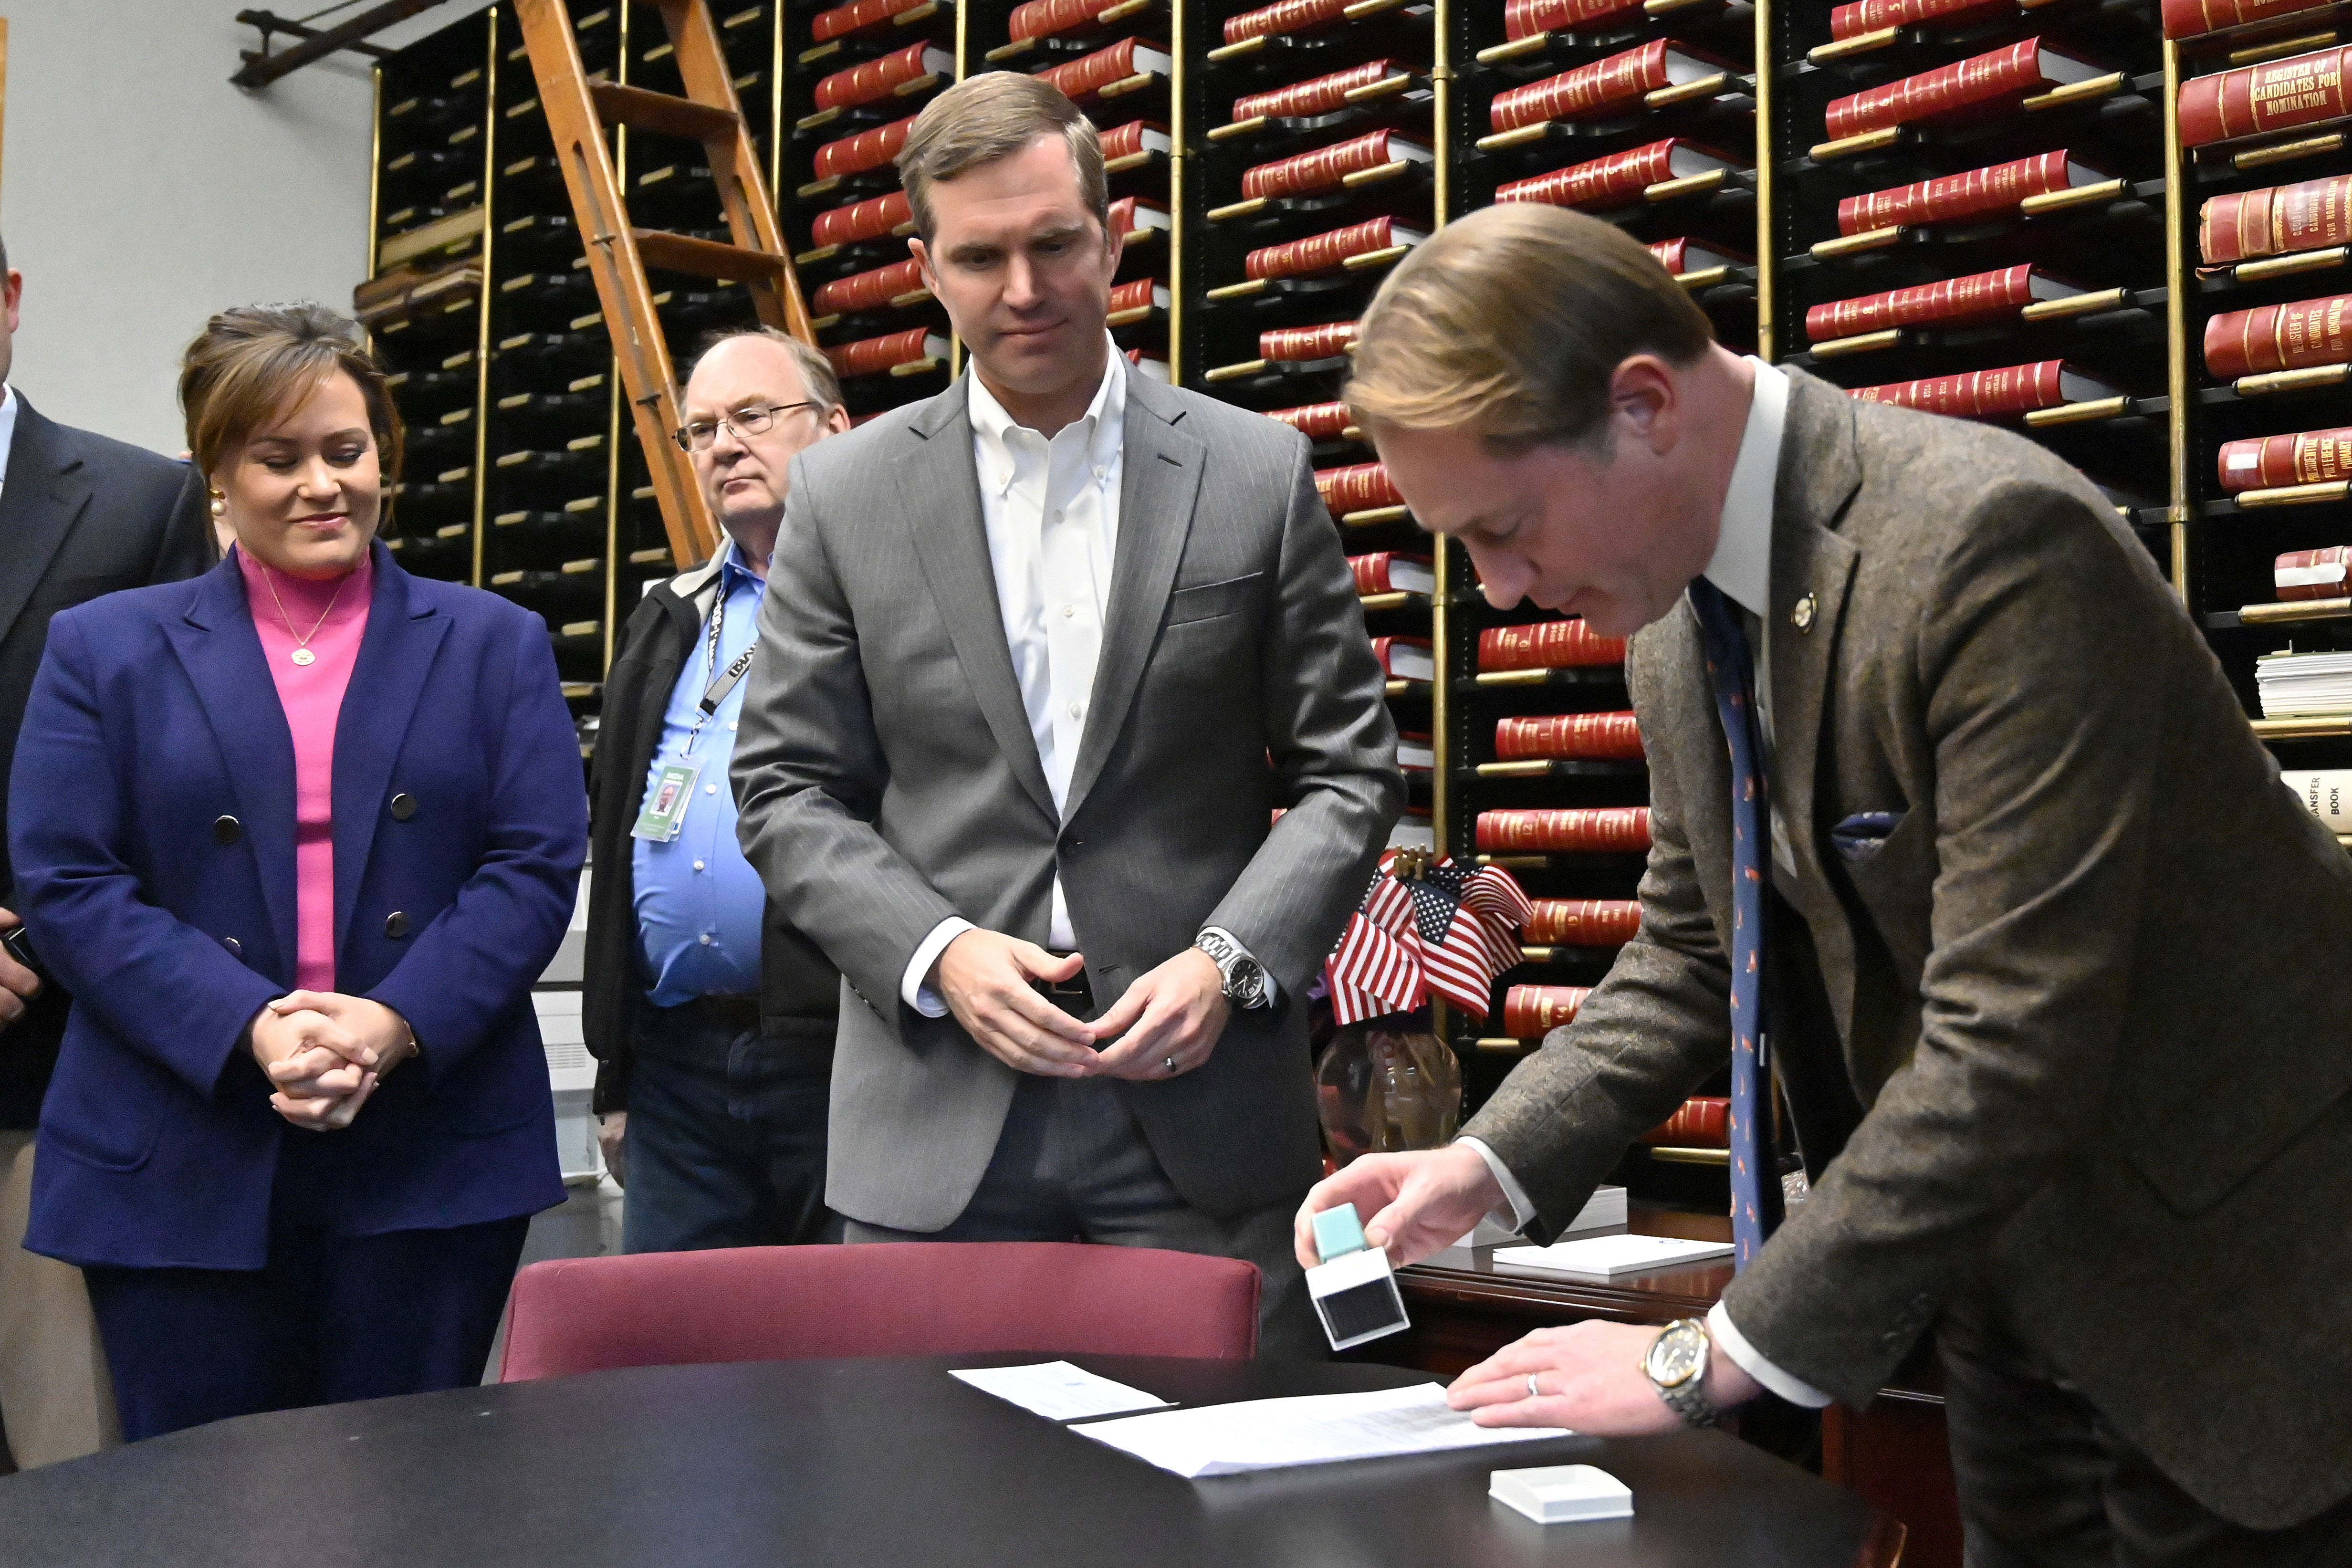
column 1040, row 658
column 2047, row 948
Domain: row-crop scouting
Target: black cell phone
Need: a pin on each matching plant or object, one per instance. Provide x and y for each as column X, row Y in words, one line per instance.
column 20, row 947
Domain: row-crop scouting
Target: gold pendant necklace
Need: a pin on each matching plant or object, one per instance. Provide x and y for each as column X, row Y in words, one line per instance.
column 301, row 654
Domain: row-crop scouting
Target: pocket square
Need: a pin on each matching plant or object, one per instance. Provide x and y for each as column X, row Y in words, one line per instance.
column 1860, row 836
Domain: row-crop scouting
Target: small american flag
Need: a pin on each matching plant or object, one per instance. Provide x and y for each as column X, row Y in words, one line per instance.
column 1424, row 928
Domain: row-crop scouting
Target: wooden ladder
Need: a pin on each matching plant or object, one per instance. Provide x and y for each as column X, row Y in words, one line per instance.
column 578, row 113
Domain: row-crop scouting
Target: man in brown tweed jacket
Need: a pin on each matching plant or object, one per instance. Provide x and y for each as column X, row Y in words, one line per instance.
column 2052, row 952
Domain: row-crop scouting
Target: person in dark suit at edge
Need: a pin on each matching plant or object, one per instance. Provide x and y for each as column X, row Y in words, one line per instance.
column 1958, row 823
column 80, row 515
column 710, row 1018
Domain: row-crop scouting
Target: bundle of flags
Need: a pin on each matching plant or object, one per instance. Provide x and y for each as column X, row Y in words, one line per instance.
column 1424, row 927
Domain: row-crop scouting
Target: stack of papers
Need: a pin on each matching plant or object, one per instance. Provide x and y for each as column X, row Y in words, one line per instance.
column 1606, row 1257
column 1058, row 1391
column 1268, row 1433
column 2299, row 683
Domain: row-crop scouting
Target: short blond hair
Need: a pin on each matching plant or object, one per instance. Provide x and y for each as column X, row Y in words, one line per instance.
column 817, row 371
column 1511, row 322
column 994, row 115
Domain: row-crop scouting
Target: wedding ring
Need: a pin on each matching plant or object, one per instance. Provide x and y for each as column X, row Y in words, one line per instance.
column 1170, row 1063
column 1533, row 1392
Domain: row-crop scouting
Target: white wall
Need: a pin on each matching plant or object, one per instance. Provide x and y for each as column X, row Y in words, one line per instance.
column 139, row 191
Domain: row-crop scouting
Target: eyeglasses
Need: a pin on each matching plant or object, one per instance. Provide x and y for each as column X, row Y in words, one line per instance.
column 752, row 421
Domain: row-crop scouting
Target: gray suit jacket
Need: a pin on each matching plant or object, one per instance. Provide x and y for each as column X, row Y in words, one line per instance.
column 888, row 780
column 2071, row 1034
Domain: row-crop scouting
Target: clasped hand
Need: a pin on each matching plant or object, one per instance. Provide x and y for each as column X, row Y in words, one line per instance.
column 324, row 1053
column 1175, row 1013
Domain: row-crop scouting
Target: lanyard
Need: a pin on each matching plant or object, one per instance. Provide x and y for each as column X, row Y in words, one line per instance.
column 721, row 681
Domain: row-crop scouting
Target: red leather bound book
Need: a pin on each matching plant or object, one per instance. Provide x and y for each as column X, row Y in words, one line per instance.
column 1531, row 1012
column 1089, row 74
column 1546, row 645
column 867, row 290
column 2273, row 96
column 2187, row 18
column 1703, row 1122
column 1582, row 923
column 1391, row 571
column 1317, row 422
column 2276, row 220
column 1126, row 141
column 1869, row 16
column 1980, row 83
column 856, row 16
column 870, row 81
column 1136, row 295
column 1043, row 19
column 1132, row 214
column 1325, row 252
column 1600, row 183
column 1359, row 487
column 866, row 150
column 2279, row 337
column 868, row 355
column 2313, row 573
column 2304, row 457
column 869, row 219
column 1525, row 19
column 1283, row 16
column 1975, row 298
column 1615, row 82
column 1328, row 166
column 1317, row 94
column 1989, row 393
column 1994, row 189
column 1570, row 737
column 1404, row 658
column 1684, row 254
column 1293, row 344
column 1612, row 829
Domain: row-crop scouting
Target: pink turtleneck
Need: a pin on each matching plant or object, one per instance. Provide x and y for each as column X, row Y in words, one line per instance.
column 312, row 697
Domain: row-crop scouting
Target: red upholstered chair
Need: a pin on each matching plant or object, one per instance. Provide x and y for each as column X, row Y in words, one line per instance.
column 792, row 1303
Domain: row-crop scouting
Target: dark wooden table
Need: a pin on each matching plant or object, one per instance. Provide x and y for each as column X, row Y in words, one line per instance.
column 1465, row 1306
column 843, row 1463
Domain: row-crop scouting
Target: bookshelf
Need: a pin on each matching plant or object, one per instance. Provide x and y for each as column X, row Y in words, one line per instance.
column 1747, row 209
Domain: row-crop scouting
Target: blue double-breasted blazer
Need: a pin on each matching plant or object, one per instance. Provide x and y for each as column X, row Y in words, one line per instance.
column 151, row 820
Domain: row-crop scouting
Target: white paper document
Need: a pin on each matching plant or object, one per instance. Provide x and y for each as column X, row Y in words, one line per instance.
column 1606, row 1257
column 1315, row 1429
column 1058, row 1391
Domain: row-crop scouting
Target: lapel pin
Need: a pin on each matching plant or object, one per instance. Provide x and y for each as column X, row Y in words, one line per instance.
column 1802, row 617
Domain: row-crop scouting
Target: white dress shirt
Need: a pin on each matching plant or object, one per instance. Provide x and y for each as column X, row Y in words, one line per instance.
column 9, row 404
column 1742, row 568
column 1051, row 511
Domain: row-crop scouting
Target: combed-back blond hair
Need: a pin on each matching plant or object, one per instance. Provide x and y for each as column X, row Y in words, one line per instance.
column 253, row 362
column 991, row 116
column 1511, row 322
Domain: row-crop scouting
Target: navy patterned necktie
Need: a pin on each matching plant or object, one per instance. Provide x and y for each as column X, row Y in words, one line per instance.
column 1755, row 1189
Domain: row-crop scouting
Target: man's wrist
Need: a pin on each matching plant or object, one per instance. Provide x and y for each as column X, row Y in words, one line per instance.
column 1244, row 980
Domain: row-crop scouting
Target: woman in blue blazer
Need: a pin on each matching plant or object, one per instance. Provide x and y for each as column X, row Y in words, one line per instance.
column 298, row 836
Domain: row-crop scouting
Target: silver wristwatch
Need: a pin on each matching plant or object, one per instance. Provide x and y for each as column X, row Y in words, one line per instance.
column 1676, row 1366
column 1244, row 976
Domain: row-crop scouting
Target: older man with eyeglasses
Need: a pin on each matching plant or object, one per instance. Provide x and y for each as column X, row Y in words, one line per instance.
column 713, row 1020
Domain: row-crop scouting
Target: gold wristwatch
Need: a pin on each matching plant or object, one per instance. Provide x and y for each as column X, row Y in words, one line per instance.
column 1676, row 1367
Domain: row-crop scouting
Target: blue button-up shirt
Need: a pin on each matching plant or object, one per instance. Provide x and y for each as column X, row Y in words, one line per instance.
column 699, row 902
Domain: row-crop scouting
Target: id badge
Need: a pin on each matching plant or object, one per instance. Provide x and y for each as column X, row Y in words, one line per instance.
column 666, row 802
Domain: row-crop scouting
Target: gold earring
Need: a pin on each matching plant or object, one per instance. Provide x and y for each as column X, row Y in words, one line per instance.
column 220, row 504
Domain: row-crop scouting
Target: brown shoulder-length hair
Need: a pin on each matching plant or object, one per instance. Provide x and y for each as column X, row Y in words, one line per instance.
column 253, row 361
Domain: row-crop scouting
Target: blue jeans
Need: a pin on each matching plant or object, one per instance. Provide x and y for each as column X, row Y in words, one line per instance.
column 726, row 1139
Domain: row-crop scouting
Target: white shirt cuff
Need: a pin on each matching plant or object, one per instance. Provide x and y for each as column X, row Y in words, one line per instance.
column 915, row 989
column 1750, row 1360
column 1517, row 1208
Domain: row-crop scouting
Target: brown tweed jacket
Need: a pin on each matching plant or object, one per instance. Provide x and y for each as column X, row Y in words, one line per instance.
column 2071, row 1034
